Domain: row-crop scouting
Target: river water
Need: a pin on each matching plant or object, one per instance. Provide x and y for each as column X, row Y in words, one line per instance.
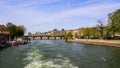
column 59, row 54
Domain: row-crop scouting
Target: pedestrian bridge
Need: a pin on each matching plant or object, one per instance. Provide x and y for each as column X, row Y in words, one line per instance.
column 45, row 37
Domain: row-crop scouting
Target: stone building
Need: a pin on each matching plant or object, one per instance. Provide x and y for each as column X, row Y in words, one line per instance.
column 77, row 33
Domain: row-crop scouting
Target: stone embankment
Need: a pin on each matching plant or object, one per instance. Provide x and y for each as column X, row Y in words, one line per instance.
column 115, row 43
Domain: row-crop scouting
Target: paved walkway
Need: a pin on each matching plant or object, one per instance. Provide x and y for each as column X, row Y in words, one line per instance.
column 115, row 43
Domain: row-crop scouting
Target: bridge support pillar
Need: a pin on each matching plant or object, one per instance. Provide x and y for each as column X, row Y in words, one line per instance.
column 33, row 38
column 55, row 38
column 48, row 38
column 41, row 37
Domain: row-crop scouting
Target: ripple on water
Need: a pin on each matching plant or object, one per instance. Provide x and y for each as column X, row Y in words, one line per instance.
column 35, row 60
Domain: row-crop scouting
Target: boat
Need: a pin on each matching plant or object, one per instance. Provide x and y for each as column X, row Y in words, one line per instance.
column 19, row 41
column 4, row 44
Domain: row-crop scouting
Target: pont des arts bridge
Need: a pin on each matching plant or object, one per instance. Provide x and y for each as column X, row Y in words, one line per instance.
column 46, row 37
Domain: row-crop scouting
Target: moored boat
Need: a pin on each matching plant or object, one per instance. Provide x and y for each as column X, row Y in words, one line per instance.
column 19, row 41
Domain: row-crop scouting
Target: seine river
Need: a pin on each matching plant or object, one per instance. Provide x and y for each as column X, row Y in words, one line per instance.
column 59, row 54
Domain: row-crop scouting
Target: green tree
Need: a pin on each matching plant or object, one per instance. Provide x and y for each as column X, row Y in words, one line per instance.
column 15, row 30
column 86, row 32
column 91, row 32
column 2, row 28
column 11, row 28
column 23, row 29
column 107, row 32
column 114, row 22
column 19, row 31
column 76, row 35
column 68, row 36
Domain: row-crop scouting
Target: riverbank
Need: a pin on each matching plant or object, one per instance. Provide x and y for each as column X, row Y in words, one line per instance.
column 115, row 43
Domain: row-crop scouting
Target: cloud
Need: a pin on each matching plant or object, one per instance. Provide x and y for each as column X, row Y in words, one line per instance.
column 30, row 3
column 91, row 11
column 30, row 13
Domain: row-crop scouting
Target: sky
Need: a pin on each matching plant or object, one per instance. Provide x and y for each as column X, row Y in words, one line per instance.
column 45, row 15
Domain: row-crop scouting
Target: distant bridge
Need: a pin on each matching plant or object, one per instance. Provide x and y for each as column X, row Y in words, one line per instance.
column 45, row 37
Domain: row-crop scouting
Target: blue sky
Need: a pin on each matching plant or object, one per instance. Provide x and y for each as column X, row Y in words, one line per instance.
column 45, row 15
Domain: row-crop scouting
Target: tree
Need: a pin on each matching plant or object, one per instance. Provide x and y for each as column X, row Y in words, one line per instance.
column 91, row 33
column 76, row 35
column 107, row 32
column 114, row 22
column 86, row 32
column 15, row 30
column 19, row 31
column 11, row 28
column 2, row 28
column 94, row 33
column 100, row 25
column 62, row 30
column 55, row 29
column 68, row 36
column 22, row 28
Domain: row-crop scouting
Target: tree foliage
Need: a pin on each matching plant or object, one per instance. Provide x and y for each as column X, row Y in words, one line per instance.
column 68, row 35
column 11, row 28
column 76, row 35
column 3, row 28
column 114, row 22
column 15, row 30
column 62, row 30
column 91, row 33
column 19, row 31
column 55, row 29
column 86, row 32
